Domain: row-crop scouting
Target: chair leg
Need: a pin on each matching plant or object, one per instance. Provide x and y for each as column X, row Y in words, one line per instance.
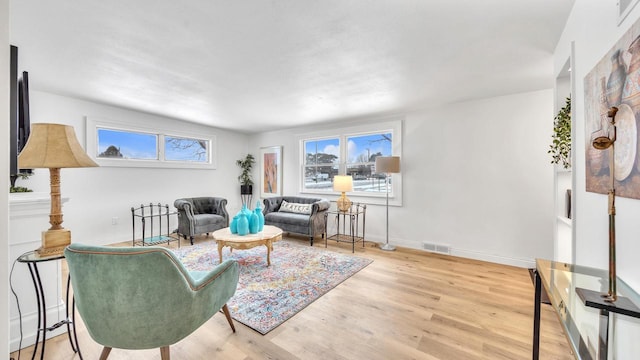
column 191, row 238
column 105, row 353
column 311, row 240
column 225, row 309
column 164, row 353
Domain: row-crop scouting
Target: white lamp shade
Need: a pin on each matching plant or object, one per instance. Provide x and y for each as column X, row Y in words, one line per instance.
column 342, row 183
column 388, row 164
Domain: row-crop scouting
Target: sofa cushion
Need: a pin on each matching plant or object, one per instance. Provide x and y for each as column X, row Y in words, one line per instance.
column 284, row 218
column 295, row 208
column 208, row 219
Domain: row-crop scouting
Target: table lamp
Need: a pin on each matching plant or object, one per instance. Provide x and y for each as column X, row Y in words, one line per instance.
column 53, row 146
column 343, row 183
column 387, row 165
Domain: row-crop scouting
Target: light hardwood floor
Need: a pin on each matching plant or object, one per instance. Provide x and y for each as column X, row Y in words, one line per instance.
column 407, row 304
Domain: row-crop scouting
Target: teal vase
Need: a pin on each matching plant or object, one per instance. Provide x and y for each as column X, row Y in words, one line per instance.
column 245, row 210
column 243, row 225
column 233, row 227
column 258, row 212
column 254, row 223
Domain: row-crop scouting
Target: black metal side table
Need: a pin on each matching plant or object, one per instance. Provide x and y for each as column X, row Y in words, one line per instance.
column 32, row 259
column 354, row 219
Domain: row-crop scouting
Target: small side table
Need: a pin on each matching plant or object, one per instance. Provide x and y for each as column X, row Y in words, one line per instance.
column 354, row 218
column 32, row 259
column 149, row 213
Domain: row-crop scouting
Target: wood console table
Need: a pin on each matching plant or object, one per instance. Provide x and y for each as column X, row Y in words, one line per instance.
column 585, row 323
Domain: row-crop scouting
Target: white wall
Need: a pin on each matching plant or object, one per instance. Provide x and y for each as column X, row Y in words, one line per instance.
column 593, row 27
column 96, row 195
column 4, row 178
column 476, row 176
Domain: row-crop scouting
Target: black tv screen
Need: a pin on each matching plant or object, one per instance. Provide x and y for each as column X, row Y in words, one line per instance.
column 19, row 120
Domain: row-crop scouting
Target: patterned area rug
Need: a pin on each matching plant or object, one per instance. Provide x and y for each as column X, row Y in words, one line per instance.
column 268, row 296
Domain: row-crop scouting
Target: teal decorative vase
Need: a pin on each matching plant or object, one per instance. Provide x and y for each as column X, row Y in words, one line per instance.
column 254, row 223
column 233, row 227
column 245, row 210
column 243, row 225
column 258, row 212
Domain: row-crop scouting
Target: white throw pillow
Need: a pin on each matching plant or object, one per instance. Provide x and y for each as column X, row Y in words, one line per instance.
column 295, row 208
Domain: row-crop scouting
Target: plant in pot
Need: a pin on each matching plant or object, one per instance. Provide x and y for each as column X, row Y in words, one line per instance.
column 19, row 189
column 245, row 178
column 560, row 148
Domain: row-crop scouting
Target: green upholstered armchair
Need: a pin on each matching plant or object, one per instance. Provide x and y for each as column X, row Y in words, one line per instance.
column 144, row 298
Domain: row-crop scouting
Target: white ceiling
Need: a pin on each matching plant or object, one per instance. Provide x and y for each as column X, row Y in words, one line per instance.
column 254, row 65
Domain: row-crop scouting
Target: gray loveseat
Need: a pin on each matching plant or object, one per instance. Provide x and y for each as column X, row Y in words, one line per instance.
column 295, row 219
column 201, row 215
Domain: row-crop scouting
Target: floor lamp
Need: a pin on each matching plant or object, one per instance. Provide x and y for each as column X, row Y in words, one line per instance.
column 387, row 165
column 54, row 146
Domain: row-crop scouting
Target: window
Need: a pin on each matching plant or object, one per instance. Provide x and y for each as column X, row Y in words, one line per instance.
column 321, row 161
column 185, row 149
column 363, row 150
column 119, row 144
column 351, row 151
column 114, row 144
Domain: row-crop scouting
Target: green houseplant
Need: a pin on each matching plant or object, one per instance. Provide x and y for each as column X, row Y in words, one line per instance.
column 19, row 189
column 560, row 148
column 245, row 178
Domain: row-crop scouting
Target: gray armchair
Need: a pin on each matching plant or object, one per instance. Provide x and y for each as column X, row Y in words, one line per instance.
column 133, row 298
column 311, row 224
column 201, row 215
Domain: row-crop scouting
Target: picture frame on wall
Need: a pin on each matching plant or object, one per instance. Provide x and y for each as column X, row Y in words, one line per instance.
column 271, row 171
column 624, row 8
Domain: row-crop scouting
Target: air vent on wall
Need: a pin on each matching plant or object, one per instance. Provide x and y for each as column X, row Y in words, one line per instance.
column 437, row 248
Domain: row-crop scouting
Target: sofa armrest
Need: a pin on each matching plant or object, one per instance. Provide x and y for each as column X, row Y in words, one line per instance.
column 271, row 204
column 184, row 208
column 320, row 206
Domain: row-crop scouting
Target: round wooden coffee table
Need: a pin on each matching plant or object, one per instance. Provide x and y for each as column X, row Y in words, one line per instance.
column 266, row 237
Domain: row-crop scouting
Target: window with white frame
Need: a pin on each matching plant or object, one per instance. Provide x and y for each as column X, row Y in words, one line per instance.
column 350, row 151
column 112, row 144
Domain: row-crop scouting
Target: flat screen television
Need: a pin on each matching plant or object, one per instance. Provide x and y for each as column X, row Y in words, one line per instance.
column 19, row 120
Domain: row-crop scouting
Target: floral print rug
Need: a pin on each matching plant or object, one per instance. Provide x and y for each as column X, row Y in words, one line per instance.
column 268, row 296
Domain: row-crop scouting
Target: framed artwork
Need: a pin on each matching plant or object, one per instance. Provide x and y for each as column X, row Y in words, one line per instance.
column 614, row 82
column 271, row 171
column 624, row 8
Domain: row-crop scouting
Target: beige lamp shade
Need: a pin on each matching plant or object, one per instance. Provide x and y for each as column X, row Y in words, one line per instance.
column 343, row 183
column 53, row 146
column 388, row 164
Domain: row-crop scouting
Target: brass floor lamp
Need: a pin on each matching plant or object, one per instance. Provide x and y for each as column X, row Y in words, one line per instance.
column 387, row 165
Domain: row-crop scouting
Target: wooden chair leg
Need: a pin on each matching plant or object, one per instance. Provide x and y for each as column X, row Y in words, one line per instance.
column 164, row 353
column 225, row 309
column 105, row 353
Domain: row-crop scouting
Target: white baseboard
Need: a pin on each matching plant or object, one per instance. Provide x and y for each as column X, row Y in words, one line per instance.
column 498, row 259
column 469, row 254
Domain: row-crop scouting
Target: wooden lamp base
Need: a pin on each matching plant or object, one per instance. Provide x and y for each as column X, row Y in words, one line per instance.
column 54, row 242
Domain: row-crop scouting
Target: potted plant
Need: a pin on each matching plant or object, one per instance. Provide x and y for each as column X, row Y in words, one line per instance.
column 560, row 148
column 19, row 189
column 245, row 178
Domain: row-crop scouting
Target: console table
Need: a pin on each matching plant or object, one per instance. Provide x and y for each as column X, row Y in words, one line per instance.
column 574, row 293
